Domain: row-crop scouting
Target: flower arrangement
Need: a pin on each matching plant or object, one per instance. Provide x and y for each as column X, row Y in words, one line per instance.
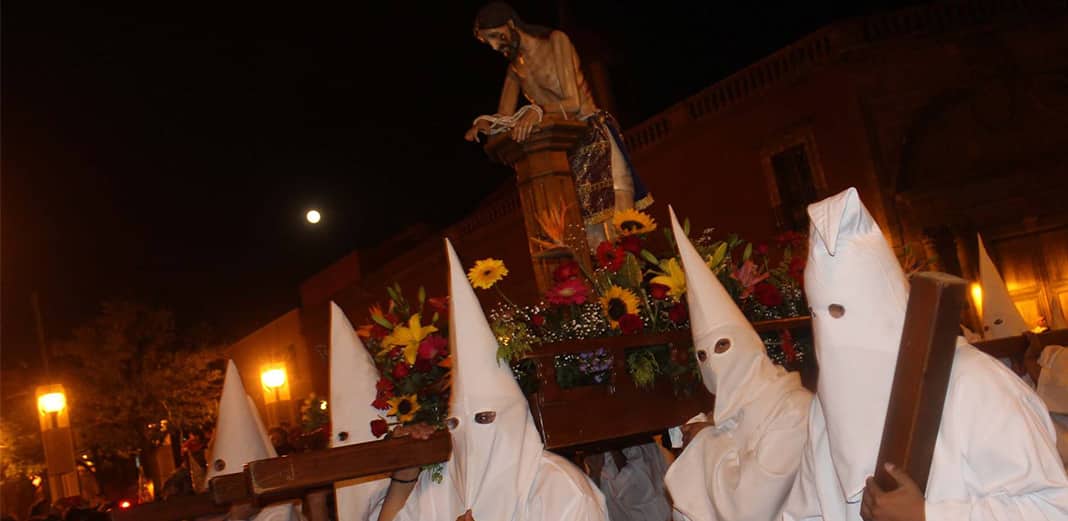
column 412, row 355
column 630, row 291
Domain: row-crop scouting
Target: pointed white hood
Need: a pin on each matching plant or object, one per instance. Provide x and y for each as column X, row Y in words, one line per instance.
column 743, row 373
column 1000, row 317
column 851, row 266
column 352, row 389
column 495, row 446
column 240, row 438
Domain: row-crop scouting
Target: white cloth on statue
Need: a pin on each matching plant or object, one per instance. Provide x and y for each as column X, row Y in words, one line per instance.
column 995, row 456
column 636, row 492
column 240, row 438
column 499, row 468
column 742, row 468
column 353, row 376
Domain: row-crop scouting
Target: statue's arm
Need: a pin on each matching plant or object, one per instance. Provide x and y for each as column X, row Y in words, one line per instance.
column 570, row 72
column 509, row 95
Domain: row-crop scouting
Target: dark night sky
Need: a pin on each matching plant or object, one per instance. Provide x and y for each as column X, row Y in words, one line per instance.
column 167, row 152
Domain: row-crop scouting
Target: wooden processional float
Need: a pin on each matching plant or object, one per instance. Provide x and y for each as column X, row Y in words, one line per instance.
column 599, row 416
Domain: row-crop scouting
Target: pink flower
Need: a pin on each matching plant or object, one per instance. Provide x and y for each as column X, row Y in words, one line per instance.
column 431, row 346
column 630, row 324
column 572, row 291
column 566, row 271
column 749, row 276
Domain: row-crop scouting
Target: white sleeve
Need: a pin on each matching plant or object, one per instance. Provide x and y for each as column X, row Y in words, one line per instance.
column 715, row 478
column 1011, row 465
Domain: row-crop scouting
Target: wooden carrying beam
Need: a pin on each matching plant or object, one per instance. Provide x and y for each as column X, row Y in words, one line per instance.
column 928, row 344
column 292, row 476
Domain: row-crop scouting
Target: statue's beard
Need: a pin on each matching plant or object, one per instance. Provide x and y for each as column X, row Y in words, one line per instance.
column 510, row 49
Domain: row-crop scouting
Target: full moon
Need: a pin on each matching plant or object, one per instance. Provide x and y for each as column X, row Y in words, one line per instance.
column 313, row 216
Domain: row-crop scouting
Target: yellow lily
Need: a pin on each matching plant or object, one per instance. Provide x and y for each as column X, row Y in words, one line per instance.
column 408, row 338
column 673, row 277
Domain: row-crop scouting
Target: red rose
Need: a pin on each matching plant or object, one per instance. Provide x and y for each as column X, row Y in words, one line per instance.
column 632, row 244
column 767, row 294
column 762, row 249
column 422, row 365
column 788, row 346
column 431, row 346
column 679, row 313
column 658, row 291
column 379, row 427
column 380, row 404
column 630, row 324
column 610, row 256
column 538, row 320
column 400, row 370
column 566, row 271
column 797, row 269
column 384, row 384
column 378, row 332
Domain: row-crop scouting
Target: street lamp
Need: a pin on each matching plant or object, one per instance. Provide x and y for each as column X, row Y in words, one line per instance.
column 276, row 395
column 58, row 441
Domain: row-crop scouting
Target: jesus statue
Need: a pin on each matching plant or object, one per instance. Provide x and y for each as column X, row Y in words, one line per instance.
column 543, row 64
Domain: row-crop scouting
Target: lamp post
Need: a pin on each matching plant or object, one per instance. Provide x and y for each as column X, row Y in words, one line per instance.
column 58, row 442
column 276, row 395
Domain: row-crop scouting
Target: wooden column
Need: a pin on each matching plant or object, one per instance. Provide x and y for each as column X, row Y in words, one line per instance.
column 545, row 181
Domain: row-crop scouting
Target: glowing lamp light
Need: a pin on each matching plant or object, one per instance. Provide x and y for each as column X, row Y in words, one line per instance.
column 313, row 216
column 322, row 405
column 51, row 402
column 977, row 297
column 273, row 378
column 125, row 504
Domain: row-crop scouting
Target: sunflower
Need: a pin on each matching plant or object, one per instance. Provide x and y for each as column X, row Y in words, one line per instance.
column 408, row 338
column 486, row 273
column 617, row 302
column 403, row 407
column 673, row 277
column 633, row 222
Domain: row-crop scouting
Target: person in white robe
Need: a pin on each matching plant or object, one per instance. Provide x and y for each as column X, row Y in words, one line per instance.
column 995, row 457
column 1000, row 316
column 633, row 485
column 1052, row 387
column 353, row 376
column 741, row 466
column 499, row 469
column 240, row 438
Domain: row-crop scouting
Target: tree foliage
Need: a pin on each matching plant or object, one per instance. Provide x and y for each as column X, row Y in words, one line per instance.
column 129, row 369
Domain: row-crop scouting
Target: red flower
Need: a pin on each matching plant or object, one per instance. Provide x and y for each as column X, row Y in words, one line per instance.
column 380, row 403
column 572, row 291
column 611, row 256
column 679, row 313
column 538, row 320
column 767, row 294
column 385, row 388
column 391, row 318
column 797, row 269
column 379, row 427
column 378, row 332
column 632, row 244
column 432, row 346
column 630, row 324
column 566, row 271
column 658, row 291
column 762, row 249
column 396, row 352
column 439, row 304
column 788, row 346
column 400, row 370
column 422, row 365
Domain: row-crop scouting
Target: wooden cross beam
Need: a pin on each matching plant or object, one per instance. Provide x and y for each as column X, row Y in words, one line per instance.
column 928, row 344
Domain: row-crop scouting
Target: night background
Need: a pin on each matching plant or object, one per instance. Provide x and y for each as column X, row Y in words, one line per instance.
column 167, row 154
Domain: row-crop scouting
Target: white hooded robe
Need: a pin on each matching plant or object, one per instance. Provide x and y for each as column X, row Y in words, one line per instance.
column 995, row 456
column 742, row 469
column 636, row 492
column 499, row 468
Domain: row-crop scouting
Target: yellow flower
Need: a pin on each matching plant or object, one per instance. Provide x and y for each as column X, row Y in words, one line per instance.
column 408, row 338
column 633, row 222
column 486, row 273
column 673, row 277
column 553, row 222
column 617, row 302
column 403, row 407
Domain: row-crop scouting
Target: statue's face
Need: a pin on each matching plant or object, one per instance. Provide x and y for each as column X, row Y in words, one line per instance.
column 503, row 39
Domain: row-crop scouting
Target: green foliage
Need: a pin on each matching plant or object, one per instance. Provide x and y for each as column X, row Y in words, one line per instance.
column 643, row 367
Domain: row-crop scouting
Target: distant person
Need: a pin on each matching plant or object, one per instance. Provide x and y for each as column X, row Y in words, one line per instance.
column 280, row 441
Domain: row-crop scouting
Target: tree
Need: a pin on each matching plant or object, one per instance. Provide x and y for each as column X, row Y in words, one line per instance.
column 129, row 369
